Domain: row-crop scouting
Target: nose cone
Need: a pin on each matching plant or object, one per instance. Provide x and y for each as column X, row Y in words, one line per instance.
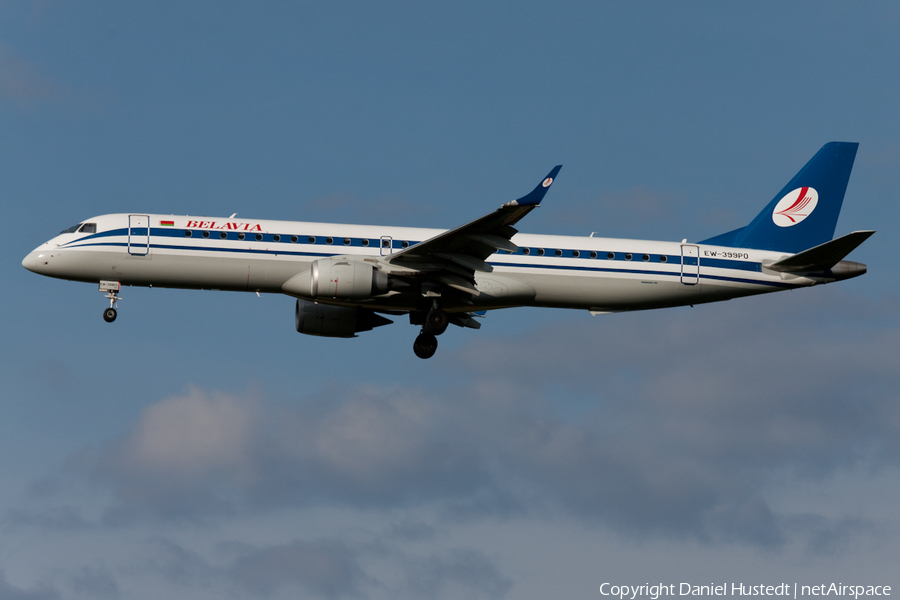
column 36, row 261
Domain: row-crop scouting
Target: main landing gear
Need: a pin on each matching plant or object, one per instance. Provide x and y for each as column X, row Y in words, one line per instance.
column 425, row 345
column 112, row 292
column 436, row 322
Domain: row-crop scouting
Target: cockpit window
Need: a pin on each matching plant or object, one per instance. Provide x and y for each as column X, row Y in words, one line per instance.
column 88, row 228
column 71, row 229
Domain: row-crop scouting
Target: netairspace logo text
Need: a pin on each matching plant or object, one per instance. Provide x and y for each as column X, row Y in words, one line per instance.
column 654, row 592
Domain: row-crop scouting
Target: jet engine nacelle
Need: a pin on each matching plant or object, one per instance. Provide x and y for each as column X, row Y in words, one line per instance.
column 339, row 278
column 335, row 321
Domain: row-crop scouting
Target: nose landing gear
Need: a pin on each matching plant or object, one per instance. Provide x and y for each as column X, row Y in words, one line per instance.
column 112, row 292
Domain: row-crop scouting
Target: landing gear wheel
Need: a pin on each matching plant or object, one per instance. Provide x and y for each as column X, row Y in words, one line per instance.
column 425, row 345
column 436, row 321
column 109, row 315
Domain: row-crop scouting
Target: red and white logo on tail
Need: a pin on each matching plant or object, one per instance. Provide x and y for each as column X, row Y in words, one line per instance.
column 795, row 206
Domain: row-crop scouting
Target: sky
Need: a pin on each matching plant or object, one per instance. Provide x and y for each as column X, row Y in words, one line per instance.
column 199, row 447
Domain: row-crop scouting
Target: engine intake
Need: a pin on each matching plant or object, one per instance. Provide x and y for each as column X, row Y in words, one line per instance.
column 339, row 279
column 335, row 321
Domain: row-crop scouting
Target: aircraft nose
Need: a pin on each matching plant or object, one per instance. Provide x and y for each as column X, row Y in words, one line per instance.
column 35, row 261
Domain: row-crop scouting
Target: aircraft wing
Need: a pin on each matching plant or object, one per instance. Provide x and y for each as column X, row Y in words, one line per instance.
column 453, row 257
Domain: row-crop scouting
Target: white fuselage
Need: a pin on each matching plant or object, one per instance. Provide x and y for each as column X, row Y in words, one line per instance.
column 597, row 274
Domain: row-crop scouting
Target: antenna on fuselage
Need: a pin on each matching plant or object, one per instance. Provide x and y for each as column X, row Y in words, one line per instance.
column 233, row 216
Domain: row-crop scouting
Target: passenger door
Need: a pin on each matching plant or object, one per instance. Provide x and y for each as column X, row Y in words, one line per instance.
column 690, row 264
column 139, row 235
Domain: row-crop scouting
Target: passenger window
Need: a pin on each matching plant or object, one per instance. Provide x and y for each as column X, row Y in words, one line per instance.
column 663, row 258
column 385, row 243
column 223, row 235
column 187, row 233
column 295, row 239
column 405, row 244
column 575, row 253
column 276, row 238
column 258, row 237
column 365, row 242
column 593, row 254
column 346, row 241
column 526, row 251
column 628, row 256
column 241, row 236
column 646, row 257
column 205, row 234
column 611, row 255
column 329, row 240
column 558, row 252
column 540, row 251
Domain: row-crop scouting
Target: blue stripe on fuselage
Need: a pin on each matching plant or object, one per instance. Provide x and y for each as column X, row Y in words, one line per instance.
column 707, row 262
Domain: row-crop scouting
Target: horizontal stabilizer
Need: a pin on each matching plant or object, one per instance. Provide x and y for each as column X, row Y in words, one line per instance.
column 823, row 256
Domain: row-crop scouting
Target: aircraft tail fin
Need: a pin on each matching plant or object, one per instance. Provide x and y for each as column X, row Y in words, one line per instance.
column 804, row 213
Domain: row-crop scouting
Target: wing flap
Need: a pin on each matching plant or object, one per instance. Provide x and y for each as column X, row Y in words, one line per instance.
column 469, row 262
column 495, row 241
column 458, row 283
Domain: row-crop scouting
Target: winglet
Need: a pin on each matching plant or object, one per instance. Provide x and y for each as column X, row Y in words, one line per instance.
column 537, row 194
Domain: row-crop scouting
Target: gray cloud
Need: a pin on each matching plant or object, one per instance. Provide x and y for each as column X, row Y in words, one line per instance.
column 95, row 582
column 466, row 570
column 323, row 568
column 686, row 419
column 58, row 518
column 327, row 569
column 331, row 568
column 11, row 592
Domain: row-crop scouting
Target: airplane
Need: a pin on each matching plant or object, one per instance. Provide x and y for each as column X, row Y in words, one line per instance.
column 348, row 279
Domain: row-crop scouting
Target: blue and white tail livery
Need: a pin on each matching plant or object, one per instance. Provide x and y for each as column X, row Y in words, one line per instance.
column 805, row 212
column 350, row 278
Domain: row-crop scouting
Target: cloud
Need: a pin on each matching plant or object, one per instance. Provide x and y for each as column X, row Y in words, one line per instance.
column 323, row 568
column 328, row 569
column 57, row 518
column 332, row 568
column 469, row 570
column 183, row 452
column 687, row 420
column 11, row 592
column 95, row 583
column 202, row 453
